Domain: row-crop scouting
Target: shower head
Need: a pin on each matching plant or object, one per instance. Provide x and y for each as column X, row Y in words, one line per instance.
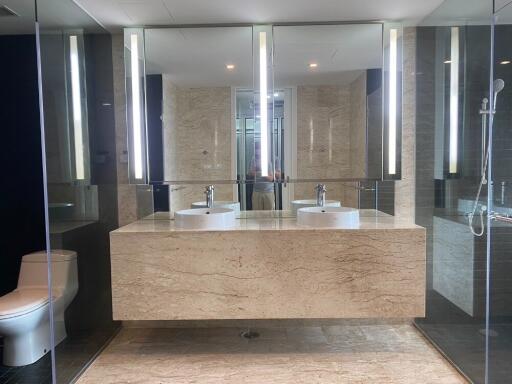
column 498, row 86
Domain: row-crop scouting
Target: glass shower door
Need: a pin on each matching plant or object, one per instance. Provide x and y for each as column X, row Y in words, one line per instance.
column 499, row 243
column 77, row 97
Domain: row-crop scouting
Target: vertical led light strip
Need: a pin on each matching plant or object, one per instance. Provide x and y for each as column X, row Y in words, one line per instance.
column 136, row 112
column 77, row 109
column 263, row 104
column 454, row 102
column 393, row 77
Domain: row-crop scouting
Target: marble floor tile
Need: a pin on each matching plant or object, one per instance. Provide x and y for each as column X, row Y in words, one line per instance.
column 328, row 354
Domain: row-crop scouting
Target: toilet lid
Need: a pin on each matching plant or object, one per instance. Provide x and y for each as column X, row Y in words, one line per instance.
column 22, row 301
column 57, row 256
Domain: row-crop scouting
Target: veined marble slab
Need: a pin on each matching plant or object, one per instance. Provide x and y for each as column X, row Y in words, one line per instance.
column 268, row 268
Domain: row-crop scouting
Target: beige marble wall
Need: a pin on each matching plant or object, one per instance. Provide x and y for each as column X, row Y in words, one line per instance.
column 197, row 141
column 331, row 137
column 358, row 133
column 131, row 204
column 126, row 195
column 282, row 271
column 405, row 189
column 323, row 131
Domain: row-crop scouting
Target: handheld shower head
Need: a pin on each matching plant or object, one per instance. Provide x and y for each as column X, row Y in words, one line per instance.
column 498, row 86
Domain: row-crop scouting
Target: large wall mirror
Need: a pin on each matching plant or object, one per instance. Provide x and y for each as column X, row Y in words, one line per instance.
column 329, row 97
column 264, row 112
column 194, row 76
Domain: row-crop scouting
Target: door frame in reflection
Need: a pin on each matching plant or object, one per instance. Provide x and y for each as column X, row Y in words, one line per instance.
column 285, row 130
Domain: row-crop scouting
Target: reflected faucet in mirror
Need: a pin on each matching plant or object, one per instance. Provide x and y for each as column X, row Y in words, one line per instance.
column 209, row 195
column 320, row 195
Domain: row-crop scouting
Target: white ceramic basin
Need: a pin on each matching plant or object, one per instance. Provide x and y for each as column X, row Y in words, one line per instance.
column 298, row 204
column 205, row 218
column 328, row 217
column 234, row 205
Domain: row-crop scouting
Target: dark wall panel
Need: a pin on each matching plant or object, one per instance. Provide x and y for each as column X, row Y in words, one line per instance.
column 21, row 196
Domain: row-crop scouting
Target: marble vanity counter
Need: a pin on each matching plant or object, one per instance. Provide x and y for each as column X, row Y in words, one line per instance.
column 267, row 221
column 268, row 267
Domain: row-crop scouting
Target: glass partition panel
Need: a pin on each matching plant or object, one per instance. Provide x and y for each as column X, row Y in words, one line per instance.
column 22, row 203
column 499, row 327
column 77, row 105
column 453, row 72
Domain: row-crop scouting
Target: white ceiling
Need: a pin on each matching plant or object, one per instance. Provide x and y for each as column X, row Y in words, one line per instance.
column 18, row 25
column 118, row 13
column 461, row 12
column 115, row 14
column 196, row 57
column 504, row 15
column 52, row 14
column 335, row 48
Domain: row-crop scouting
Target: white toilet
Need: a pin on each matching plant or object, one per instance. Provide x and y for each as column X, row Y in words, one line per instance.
column 24, row 312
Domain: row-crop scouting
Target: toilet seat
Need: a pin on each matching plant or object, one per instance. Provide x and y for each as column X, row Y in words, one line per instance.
column 22, row 301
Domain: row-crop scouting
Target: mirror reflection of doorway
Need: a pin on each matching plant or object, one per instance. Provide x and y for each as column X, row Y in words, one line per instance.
column 248, row 140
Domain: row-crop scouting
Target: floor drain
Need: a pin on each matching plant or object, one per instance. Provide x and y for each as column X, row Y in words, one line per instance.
column 249, row 335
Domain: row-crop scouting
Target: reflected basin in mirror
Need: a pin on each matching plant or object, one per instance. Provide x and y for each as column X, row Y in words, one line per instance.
column 205, row 218
column 328, row 217
column 234, row 205
column 298, row 204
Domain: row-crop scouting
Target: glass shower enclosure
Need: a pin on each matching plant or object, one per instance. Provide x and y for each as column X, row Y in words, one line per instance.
column 463, row 174
column 75, row 64
column 499, row 203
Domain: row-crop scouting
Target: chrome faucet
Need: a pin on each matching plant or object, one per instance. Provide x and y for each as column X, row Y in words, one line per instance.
column 209, row 195
column 320, row 195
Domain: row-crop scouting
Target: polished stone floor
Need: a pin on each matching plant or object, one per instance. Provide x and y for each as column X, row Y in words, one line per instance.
column 350, row 353
column 70, row 357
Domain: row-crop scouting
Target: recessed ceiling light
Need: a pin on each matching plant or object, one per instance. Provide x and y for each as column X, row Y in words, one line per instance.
column 447, row 61
column 313, row 65
column 505, row 62
column 230, row 67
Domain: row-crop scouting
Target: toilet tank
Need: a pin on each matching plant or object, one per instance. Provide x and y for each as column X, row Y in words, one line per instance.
column 34, row 270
